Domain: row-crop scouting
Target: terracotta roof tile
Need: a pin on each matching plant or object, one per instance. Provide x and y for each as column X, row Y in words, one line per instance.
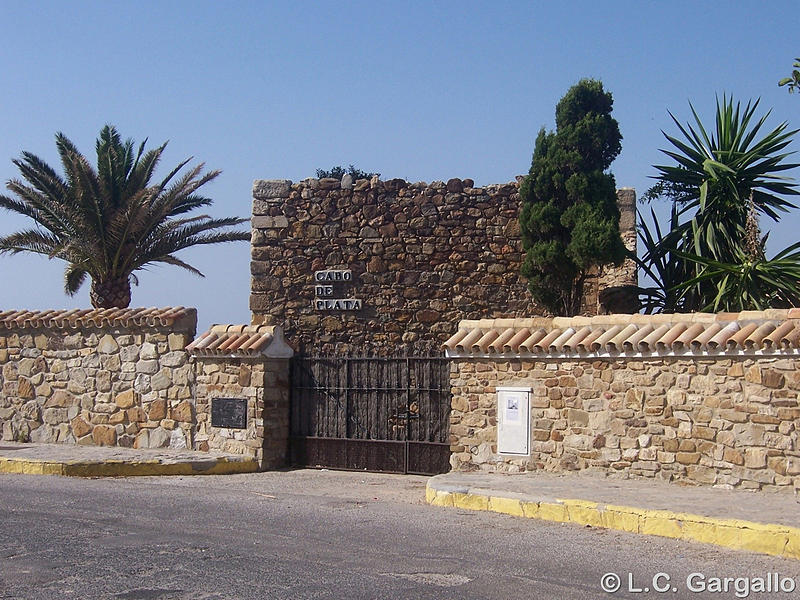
column 558, row 343
column 515, row 342
column 720, row 340
column 242, row 340
column 631, row 343
column 776, row 338
column 576, row 338
column 482, row 345
column 792, row 339
column 648, row 343
column 456, row 338
column 585, row 345
column 469, row 339
column 608, row 335
column 532, row 339
column 705, row 336
column 618, row 341
column 666, row 341
column 759, row 334
column 738, row 338
column 771, row 331
column 97, row 317
column 685, row 339
column 500, row 343
column 544, row 344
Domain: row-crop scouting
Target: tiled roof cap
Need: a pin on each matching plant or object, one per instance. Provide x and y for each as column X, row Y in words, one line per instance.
column 95, row 317
column 771, row 331
column 241, row 340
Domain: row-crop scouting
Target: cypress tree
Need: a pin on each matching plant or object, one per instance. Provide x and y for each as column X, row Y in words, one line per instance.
column 569, row 217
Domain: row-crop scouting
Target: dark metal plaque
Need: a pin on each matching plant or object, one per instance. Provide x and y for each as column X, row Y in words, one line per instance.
column 229, row 412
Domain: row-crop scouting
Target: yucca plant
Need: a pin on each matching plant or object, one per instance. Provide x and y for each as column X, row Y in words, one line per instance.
column 794, row 80
column 661, row 264
column 721, row 185
column 109, row 222
column 718, row 174
column 747, row 283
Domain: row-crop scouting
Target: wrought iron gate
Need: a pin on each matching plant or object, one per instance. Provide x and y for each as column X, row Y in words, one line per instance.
column 374, row 414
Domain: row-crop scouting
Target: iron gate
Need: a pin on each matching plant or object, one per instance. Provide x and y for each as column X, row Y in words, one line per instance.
column 369, row 413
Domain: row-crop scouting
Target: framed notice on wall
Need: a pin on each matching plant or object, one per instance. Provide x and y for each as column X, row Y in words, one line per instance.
column 513, row 420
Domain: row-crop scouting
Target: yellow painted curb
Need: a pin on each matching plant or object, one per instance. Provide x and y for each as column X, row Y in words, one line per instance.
column 775, row 540
column 507, row 506
column 119, row 468
column 470, row 501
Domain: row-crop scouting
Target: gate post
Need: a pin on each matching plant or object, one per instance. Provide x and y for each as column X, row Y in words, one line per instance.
column 242, row 388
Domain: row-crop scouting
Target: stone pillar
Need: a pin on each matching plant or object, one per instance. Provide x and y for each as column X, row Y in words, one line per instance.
column 248, row 365
column 269, row 225
column 612, row 289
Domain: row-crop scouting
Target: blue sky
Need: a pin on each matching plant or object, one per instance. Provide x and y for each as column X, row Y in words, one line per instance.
column 419, row 90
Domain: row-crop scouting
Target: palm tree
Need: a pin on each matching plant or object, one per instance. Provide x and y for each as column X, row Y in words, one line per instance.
column 110, row 222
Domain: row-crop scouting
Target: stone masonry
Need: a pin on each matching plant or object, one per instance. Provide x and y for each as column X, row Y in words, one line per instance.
column 728, row 421
column 246, row 367
column 264, row 382
column 109, row 384
column 422, row 257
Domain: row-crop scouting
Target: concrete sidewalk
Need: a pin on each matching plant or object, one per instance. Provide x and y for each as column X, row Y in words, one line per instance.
column 99, row 461
column 756, row 521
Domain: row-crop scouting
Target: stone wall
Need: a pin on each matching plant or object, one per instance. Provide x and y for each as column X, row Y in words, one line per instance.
column 247, row 367
column 264, row 382
column 97, row 377
column 422, row 257
column 726, row 416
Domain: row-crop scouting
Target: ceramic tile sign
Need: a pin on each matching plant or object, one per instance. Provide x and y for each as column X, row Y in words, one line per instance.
column 513, row 422
column 329, row 287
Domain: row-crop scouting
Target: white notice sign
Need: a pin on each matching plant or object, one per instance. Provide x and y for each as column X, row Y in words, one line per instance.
column 513, row 420
column 512, row 409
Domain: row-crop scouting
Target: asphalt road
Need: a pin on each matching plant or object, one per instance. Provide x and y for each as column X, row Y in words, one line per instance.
column 322, row 534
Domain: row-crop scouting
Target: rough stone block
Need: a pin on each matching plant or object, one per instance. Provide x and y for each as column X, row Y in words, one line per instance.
column 161, row 380
column 103, row 435
column 174, row 359
column 702, row 474
column 176, row 341
column 157, row 410
column 147, row 366
column 107, row 344
column 265, row 222
column 25, row 389
column 136, row 415
column 576, row 418
column 80, row 427
column 177, row 439
column 733, row 456
column 184, row 412
column 688, row 458
column 142, row 439
column 159, row 438
column 125, row 399
column 55, row 416
column 268, row 189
